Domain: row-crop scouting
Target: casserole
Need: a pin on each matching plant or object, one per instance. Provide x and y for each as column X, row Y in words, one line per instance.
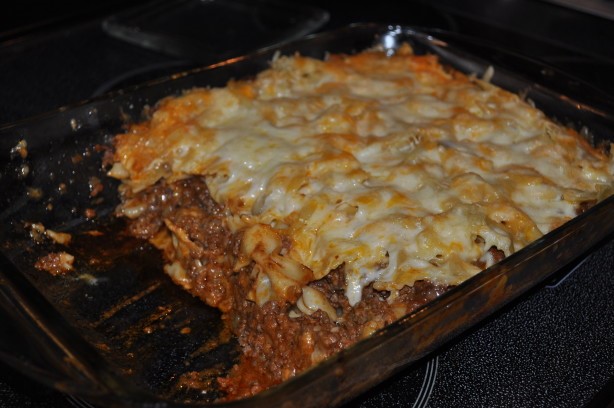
column 132, row 315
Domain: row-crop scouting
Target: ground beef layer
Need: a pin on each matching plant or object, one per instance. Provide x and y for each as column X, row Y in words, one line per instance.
column 277, row 340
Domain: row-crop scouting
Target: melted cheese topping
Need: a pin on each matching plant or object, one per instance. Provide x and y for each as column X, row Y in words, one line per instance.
column 395, row 167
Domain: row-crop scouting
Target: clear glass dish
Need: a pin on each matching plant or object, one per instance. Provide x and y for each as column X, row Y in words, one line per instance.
column 211, row 30
column 114, row 332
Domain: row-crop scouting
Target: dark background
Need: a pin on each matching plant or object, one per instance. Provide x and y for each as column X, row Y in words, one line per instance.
column 553, row 347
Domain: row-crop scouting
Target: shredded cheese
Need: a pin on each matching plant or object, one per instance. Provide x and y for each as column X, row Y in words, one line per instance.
column 392, row 166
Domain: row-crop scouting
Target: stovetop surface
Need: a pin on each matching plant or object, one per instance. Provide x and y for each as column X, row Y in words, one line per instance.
column 552, row 347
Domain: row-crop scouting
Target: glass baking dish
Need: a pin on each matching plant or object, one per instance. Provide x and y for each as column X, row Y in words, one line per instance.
column 118, row 332
column 206, row 31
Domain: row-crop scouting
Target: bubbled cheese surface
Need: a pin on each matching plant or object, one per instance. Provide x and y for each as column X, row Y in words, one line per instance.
column 393, row 166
